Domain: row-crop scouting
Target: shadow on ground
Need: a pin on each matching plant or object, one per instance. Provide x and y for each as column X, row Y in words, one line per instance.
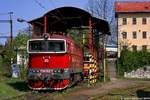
column 143, row 94
column 23, row 87
column 20, row 86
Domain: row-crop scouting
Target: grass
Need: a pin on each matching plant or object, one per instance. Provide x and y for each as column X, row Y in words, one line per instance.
column 11, row 88
column 0, row 67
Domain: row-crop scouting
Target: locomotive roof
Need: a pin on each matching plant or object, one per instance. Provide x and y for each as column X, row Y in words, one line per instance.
column 61, row 19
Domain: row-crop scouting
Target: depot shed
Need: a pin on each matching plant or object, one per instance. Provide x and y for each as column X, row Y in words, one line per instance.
column 61, row 19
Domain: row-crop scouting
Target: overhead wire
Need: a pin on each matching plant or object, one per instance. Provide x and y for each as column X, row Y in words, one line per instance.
column 4, row 13
column 53, row 4
column 61, row 16
column 40, row 4
column 43, row 7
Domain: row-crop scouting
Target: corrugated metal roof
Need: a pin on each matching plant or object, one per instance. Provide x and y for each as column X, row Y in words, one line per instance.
column 125, row 6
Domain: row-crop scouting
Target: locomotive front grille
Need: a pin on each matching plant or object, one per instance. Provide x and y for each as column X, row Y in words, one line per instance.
column 42, row 74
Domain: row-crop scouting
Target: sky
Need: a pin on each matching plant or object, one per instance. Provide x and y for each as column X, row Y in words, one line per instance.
column 28, row 10
column 31, row 9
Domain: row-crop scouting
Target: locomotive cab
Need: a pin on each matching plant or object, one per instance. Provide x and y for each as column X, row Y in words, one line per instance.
column 48, row 64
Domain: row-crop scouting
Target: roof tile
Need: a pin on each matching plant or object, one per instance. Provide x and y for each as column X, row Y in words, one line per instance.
column 132, row 6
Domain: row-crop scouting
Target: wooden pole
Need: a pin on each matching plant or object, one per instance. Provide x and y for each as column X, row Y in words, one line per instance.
column 33, row 33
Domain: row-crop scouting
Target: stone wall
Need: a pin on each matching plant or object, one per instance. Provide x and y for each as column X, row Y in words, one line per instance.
column 139, row 73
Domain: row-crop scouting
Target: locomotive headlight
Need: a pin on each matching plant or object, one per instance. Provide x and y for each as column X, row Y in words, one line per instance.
column 66, row 70
column 37, row 71
column 55, row 71
column 59, row 70
column 33, row 71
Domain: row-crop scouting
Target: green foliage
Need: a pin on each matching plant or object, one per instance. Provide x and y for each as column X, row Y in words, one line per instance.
column 21, row 40
column 74, row 33
column 85, row 37
column 132, row 60
column 9, row 54
column 23, row 71
column 79, row 35
column 11, row 88
column 9, row 57
column 0, row 68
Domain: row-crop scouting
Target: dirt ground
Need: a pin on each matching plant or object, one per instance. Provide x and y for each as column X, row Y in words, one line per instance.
column 81, row 92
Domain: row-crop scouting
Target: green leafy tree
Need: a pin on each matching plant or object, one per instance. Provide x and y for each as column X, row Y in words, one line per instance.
column 21, row 40
column 132, row 60
column 20, row 45
column 9, row 54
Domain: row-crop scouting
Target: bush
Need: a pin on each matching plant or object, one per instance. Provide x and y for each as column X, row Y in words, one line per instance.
column 9, row 58
column 23, row 71
column 79, row 35
column 132, row 60
column 1, row 68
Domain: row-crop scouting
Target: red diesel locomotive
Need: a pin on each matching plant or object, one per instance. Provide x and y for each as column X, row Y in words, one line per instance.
column 54, row 63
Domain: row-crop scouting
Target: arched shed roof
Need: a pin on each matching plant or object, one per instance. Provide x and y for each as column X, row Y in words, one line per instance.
column 64, row 18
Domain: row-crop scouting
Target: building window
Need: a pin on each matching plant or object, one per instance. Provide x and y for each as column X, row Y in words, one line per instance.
column 134, row 35
column 144, row 34
column 144, row 47
column 124, row 35
column 133, row 21
column 124, row 21
column 124, row 47
column 134, row 48
column 144, row 20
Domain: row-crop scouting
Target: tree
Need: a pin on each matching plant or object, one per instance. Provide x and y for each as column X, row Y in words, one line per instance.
column 104, row 9
column 132, row 60
column 20, row 40
column 1, row 51
column 8, row 54
column 20, row 46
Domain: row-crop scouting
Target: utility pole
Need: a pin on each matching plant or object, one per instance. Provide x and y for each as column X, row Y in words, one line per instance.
column 11, row 28
column 104, row 57
column 104, row 40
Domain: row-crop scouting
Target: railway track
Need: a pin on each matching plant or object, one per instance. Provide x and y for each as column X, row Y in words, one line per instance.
column 82, row 92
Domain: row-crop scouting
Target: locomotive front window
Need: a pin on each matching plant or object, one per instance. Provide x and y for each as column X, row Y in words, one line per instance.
column 48, row 46
column 56, row 46
column 37, row 46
